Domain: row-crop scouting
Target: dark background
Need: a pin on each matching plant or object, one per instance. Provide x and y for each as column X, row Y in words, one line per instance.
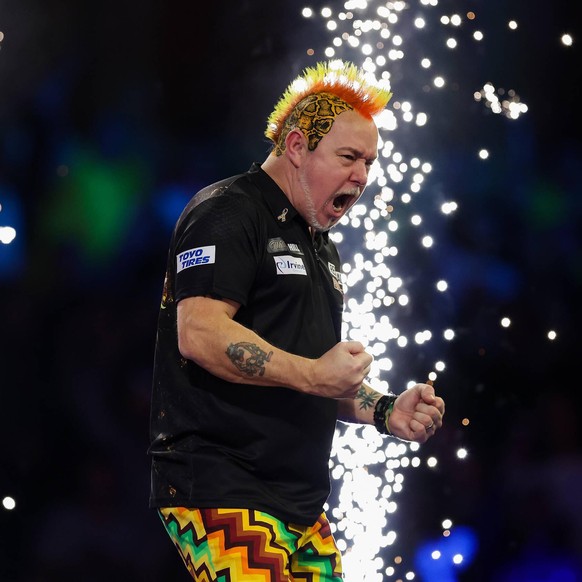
column 113, row 113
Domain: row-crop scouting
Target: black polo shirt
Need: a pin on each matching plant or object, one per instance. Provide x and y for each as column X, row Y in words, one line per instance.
column 219, row 444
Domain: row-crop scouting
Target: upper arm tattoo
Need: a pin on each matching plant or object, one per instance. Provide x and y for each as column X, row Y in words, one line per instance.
column 248, row 358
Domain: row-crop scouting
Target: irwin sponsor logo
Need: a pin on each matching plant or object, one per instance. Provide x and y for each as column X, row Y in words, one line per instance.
column 195, row 257
column 288, row 265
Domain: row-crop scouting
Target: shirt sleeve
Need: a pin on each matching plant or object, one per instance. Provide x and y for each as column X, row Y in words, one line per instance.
column 217, row 253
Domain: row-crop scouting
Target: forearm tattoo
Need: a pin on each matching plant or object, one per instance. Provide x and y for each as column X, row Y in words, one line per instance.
column 249, row 358
column 366, row 399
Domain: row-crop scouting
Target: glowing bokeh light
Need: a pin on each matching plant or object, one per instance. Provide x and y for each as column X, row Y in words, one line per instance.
column 500, row 101
column 9, row 503
column 7, row 234
column 567, row 40
column 448, row 334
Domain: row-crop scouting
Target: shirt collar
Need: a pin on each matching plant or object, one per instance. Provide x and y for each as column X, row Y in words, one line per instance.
column 279, row 204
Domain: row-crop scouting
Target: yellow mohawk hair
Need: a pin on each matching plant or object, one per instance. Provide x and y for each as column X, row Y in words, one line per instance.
column 342, row 79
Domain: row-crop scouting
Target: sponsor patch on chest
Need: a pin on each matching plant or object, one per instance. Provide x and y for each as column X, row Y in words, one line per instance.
column 195, row 257
column 336, row 277
column 289, row 265
column 278, row 245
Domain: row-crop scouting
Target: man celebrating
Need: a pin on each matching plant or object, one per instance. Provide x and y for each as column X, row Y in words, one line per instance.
column 250, row 372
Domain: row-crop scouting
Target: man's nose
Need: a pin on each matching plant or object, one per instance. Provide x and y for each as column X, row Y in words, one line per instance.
column 360, row 173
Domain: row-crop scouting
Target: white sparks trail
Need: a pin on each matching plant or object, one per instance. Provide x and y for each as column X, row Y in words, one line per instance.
column 408, row 45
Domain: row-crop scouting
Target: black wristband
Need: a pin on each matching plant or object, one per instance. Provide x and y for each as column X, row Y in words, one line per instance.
column 382, row 412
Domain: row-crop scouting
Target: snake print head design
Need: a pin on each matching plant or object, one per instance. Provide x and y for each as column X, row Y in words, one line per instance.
column 314, row 116
column 313, row 101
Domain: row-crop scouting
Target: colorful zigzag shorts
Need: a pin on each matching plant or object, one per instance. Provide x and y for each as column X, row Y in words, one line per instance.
column 244, row 545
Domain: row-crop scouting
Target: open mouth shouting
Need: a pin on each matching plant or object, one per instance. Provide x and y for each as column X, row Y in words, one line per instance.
column 342, row 202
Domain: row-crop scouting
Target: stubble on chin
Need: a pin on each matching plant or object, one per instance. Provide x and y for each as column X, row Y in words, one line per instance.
column 310, row 211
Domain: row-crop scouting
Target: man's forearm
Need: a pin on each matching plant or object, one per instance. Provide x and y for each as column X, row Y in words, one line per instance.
column 211, row 338
column 361, row 408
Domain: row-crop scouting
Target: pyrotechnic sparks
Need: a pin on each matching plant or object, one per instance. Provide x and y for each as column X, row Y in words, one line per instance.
column 500, row 101
column 369, row 471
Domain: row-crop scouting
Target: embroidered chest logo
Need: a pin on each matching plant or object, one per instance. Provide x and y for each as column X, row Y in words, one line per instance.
column 336, row 277
column 295, row 248
column 276, row 245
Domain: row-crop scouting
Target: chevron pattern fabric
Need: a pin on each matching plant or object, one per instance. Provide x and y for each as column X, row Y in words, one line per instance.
column 244, row 545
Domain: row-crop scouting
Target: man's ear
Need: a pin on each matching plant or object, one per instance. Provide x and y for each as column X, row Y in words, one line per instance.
column 295, row 146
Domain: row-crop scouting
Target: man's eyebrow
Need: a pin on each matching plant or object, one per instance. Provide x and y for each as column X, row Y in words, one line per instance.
column 358, row 153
